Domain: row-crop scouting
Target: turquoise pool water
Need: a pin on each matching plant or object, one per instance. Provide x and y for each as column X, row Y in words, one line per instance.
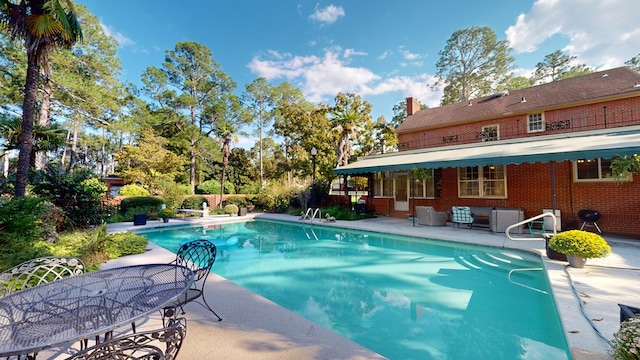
column 402, row 297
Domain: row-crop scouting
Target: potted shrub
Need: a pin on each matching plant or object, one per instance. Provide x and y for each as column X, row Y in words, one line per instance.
column 231, row 209
column 165, row 214
column 579, row 246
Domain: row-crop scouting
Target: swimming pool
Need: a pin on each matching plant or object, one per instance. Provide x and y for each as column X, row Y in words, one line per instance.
column 403, row 297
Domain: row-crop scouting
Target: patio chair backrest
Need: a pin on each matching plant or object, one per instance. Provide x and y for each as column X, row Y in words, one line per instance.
column 39, row 271
column 164, row 343
column 197, row 255
column 461, row 215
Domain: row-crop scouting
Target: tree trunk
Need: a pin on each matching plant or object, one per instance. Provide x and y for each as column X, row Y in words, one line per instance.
column 103, row 168
column 28, row 117
column 192, row 167
column 45, row 115
column 74, row 149
column 225, row 161
column 63, row 158
column 260, row 155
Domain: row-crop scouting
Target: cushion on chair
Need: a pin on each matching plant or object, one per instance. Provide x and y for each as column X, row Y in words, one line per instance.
column 461, row 215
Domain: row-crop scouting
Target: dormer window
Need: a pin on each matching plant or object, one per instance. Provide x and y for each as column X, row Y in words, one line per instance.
column 535, row 123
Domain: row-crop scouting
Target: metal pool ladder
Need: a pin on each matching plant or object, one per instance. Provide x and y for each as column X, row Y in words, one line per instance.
column 542, row 237
column 313, row 213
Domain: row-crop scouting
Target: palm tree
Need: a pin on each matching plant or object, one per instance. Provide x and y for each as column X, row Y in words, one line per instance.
column 43, row 25
column 345, row 124
column 45, row 137
column 227, row 135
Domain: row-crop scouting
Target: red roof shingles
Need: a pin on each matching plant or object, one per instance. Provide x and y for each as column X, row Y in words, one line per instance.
column 617, row 82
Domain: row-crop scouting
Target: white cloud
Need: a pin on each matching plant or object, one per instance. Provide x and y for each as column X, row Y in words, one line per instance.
column 412, row 58
column 409, row 55
column 327, row 15
column 119, row 37
column 600, row 33
column 350, row 52
column 384, row 55
column 321, row 78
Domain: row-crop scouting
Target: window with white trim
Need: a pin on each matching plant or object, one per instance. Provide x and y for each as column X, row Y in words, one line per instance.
column 592, row 170
column 488, row 181
column 535, row 123
column 424, row 188
column 383, row 184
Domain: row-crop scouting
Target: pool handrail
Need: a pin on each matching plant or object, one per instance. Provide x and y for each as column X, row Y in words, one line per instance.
column 543, row 236
column 313, row 213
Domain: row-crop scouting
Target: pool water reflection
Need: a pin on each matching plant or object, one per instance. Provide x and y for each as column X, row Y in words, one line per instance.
column 403, row 297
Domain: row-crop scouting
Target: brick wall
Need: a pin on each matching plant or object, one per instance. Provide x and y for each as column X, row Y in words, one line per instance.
column 529, row 188
column 624, row 112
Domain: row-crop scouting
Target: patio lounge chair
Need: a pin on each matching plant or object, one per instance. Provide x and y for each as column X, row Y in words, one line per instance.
column 39, row 271
column 199, row 256
column 461, row 215
column 162, row 343
column 427, row 215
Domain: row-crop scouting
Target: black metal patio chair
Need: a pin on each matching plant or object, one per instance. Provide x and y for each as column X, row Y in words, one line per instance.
column 199, row 256
column 159, row 344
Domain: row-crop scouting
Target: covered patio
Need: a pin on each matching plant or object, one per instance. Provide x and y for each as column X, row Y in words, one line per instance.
column 541, row 154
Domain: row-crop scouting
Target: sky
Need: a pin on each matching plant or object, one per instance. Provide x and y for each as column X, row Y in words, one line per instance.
column 383, row 51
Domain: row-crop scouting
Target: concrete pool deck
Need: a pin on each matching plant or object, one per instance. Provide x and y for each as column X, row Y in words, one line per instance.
column 256, row 328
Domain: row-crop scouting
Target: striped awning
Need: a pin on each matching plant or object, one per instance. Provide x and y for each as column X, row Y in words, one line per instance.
column 607, row 144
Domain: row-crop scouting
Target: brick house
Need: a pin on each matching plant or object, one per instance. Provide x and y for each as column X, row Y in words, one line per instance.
column 544, row 147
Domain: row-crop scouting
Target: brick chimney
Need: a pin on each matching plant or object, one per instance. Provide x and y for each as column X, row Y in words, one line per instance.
column 413, row 106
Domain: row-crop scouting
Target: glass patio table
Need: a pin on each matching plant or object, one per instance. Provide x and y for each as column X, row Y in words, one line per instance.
column 85, row 306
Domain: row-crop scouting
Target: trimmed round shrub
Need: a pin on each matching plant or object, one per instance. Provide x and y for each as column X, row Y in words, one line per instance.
column 194, row 202
column 150, row 204
column 133, row 190
column 238, row 200
column 231, row 209
column 213, row 187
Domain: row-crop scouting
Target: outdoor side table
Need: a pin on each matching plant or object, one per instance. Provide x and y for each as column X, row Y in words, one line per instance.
column 88, row 305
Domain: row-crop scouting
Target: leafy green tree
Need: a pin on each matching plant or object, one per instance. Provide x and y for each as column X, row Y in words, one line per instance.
column 242, row 172
column 87, row 93
column 133, row 190
column 303, row 126
column 273, row 157
column 230, row 117
column 149, row 162
column 43, row 25
column 634, row 63
column 259, row 98
column 213, row 187
column 78, row 195
column 558, row 66
column 348, row 117
column 473, row 63
column 191, row 82
column 384, row 135
column 13, row 63
column 21, row 229
column 519, row 82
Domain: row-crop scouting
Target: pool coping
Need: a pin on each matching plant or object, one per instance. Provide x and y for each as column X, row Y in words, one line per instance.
column 599, row 286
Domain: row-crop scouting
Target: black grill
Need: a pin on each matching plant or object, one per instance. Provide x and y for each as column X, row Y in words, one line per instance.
column 590, row 217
